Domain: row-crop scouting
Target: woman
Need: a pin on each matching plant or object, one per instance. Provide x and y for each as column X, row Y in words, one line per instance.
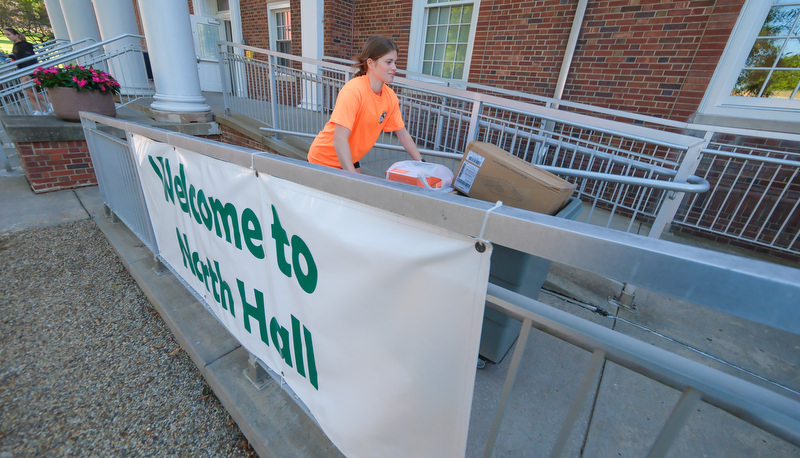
column 365, row 107
column 19, row 51
column 21, row 48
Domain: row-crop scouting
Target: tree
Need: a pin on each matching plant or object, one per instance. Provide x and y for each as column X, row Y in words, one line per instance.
column 29, row 17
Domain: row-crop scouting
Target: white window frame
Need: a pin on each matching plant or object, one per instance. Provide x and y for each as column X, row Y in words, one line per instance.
column 272, row 8
column 416, row 39
column 718, row 106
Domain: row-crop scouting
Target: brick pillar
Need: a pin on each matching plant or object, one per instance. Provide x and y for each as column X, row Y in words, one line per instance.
column 55, row 165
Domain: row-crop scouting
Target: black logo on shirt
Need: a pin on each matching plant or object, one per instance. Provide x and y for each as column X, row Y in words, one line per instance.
column 380, row 121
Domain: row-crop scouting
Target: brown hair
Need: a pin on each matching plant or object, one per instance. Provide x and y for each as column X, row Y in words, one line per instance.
column 14, row 31
column 375, row 47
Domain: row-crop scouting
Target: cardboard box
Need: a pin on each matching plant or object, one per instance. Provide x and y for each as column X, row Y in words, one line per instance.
column 489, row 173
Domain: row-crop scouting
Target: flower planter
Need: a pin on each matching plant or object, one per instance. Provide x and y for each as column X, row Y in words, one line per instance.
column 67, row 102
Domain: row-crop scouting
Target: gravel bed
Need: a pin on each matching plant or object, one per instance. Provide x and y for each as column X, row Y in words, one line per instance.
column 87, row 366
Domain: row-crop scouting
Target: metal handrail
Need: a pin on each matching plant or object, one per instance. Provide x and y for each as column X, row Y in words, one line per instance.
column 693, row 184
column 748, row 284
column 67, row 57
column 43, row 57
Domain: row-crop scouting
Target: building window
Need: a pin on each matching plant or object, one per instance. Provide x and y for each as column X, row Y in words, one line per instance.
column 442, row 45
column 772, row 68
column 280, row 29
column 222, row 5
column 758, row 75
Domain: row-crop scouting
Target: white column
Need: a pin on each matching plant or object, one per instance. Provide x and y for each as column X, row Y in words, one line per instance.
column 311, row 23
column 57, row 22
column 116, row 18
column 80, row 20
column 168, row 32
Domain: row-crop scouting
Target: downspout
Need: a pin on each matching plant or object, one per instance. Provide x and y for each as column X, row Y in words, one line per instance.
column 547, row 126
column 566, row 64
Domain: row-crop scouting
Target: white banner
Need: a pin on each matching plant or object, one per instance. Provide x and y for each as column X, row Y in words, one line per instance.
column 372, row 319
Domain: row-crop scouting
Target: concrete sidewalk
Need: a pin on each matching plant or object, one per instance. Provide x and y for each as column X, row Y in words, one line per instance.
column 623, row 417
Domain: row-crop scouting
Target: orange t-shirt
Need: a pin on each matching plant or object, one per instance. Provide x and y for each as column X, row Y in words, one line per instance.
column 362, row 111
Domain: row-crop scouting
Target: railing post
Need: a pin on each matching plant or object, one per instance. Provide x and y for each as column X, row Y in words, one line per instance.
column 472, row 132
column 516, row 359
column 669, row 208
column 675, row 422
column 273, row 89
column 226, row 84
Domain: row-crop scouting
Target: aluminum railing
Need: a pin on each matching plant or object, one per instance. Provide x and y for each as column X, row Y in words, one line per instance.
column 764, row 293
column 122, row 56
column 755, row 195
column 443, row 117
column 624, row 172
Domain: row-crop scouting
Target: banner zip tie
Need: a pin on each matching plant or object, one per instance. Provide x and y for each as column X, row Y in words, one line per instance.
column 486, row 218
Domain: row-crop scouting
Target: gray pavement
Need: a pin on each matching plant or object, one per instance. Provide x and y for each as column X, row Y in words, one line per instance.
column 622, row 418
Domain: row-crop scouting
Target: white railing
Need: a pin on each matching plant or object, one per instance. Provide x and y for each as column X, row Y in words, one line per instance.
column 764, row 293
column 623, row 172
column 443, row 117
column 122, row 56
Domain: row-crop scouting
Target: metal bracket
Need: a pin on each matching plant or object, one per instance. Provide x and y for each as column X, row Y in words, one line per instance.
column 256, row 374
column 158, row 267
column 625, row 298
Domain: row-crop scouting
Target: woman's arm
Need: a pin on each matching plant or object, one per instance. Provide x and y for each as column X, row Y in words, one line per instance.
column 341, row 135
column 408, row 144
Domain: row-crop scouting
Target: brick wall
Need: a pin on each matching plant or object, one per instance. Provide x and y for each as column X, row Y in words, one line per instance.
column 52, row 166
column 653, row 57
column 232, row 137
column 389, row 18
column 520, row 45
column 255, row 29
column 338, row 28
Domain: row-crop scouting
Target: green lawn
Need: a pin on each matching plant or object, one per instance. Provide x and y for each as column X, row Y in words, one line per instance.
column 5, row 44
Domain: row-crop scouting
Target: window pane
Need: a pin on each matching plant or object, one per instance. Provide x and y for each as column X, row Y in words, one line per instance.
column 764, row 52
column 452, row 34
column 283, row 27
column 463, row 34
column 447, row 70
column 428, row 52
column 222, row 5
column 208, row 36
column 426, row 68
column 437, row 69
column 461, row 53
column 450, row 53
column 458, row 71
column 781, row 84
column 444, row 17
column 455, row 15
column 438, row 54
column 780, row 21
column 441, row 35
column 791, row 54
column 433, row 16
column 430, row 35
column 750, row 82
